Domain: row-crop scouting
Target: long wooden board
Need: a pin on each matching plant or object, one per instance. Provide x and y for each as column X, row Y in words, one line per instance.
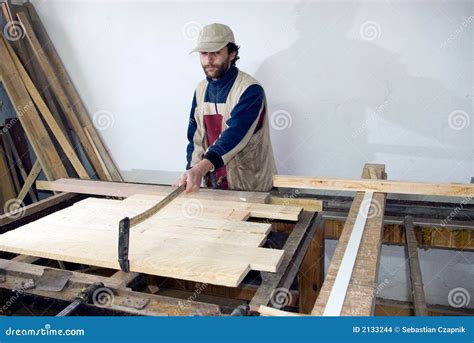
column 60, row 94
column 117, row 189
column 29, row 117
column 175, row 242
column 72, row 94
column 359, row 300
column 383, row 186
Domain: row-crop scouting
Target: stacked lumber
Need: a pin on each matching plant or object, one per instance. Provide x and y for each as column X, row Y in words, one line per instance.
column 48, row 108
column 193, row 239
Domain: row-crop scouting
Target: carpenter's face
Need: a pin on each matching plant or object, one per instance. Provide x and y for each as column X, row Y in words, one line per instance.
column 216, row 63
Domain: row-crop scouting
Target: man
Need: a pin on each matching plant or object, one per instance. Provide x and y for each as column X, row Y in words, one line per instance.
column 228, row 133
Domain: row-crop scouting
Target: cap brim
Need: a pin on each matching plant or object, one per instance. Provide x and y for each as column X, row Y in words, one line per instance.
column 209, row 47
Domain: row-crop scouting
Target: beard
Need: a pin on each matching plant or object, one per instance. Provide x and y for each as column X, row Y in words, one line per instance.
column 217, row 69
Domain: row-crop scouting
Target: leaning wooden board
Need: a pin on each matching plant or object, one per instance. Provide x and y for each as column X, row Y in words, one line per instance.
column 193, row 239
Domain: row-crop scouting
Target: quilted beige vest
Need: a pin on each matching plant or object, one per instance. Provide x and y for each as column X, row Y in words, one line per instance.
column 253, row 167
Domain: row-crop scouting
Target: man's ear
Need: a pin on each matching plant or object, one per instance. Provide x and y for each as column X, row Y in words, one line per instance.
column 232, row 55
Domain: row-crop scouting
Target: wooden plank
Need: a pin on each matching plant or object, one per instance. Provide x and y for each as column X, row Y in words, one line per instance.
column 61, row 96
column 10, row 163
column 341, row 283
column 30, row 180
column 34, row 70
column 124, row 190
column 29, row 118
column 25, row 259
column 203, row 255
column 7, row 190
column 270, row 282
column 312, row 205
column 49, row 118
column 37, row 207
column 19, row 163
column 273, row 312
column 360, row 297
column 397, row 187
column 311, row 273
column 125, row 277
column 415, row 269
column 72, row 94
column 216, row 263
column 429, row 233
column 156, row 304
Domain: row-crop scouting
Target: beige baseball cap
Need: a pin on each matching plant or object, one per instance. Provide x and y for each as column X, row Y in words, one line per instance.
column 214, row 37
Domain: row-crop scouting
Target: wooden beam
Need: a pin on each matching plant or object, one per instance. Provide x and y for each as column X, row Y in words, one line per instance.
column 271, row 281
column 17, row 159
column 72, row 93
column 124, row 190
column 61, row 96
column 7, row 190
column 30, row 180
column 384, row 186
column 429, row 233
column 415, row 269
column 312, row 205
column 49, row 118
column 29, row 117
column 11, row 163
column 37, row 207
column 311, row 273
column 359, row 300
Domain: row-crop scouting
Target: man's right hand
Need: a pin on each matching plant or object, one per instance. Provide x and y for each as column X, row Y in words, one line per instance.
column 193, row 177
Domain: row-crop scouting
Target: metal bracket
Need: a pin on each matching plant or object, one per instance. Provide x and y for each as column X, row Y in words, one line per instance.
column 123, row 244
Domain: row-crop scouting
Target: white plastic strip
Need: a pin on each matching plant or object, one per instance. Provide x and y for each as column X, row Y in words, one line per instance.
column 343, row 277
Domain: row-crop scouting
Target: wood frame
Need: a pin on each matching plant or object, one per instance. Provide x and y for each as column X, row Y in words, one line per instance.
column 384, row 186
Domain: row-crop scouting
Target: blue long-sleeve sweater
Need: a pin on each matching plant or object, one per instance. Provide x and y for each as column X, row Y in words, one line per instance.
column 243, row 115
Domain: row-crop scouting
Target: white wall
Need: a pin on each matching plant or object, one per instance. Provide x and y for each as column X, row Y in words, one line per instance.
column 347, row 82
